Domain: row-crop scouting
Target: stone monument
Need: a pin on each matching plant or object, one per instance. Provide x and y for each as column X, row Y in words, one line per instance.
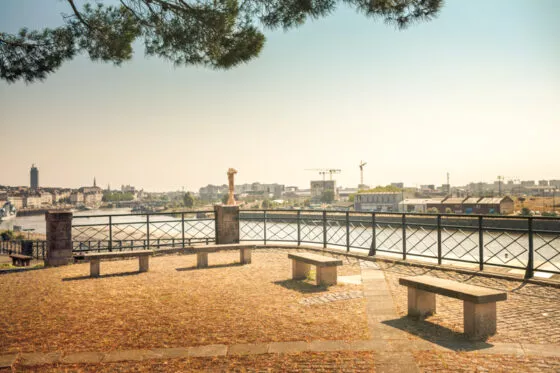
column 231, row 199
column 227, row 217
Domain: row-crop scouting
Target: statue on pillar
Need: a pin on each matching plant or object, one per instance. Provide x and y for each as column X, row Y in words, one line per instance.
column 230, row 173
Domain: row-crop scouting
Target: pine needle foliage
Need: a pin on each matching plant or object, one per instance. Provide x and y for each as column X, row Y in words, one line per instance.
column 219, row 34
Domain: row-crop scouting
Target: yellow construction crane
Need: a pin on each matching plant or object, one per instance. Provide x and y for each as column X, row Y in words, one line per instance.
column 362, row 164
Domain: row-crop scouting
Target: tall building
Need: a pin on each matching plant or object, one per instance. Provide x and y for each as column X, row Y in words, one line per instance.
column 34, row 176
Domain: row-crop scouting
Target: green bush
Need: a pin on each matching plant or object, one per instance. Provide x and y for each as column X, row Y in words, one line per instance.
column 7, row 235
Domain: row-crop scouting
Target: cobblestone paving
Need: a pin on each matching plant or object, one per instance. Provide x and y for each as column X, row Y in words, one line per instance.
column 332, row 297
column 435, row 361
column 530, row 315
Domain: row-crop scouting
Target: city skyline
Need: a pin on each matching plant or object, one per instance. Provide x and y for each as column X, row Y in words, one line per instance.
column 34, row 170
column 473, row 93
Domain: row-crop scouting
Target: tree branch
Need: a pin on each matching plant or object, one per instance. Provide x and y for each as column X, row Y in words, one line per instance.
column 77, row 13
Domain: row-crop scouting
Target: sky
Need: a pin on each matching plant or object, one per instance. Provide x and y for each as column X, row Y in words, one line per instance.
column 475, row 92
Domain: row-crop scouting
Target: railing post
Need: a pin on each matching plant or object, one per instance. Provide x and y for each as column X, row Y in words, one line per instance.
column 299, row 227
column 110, row 233
column 480, row 244
column 183, row 228
column 439, row 239
column 324, row 229
column 148, row 231
column 404, row 236
column 347, row 231
column 373, row 248
column 264, row 219
column 529, row 273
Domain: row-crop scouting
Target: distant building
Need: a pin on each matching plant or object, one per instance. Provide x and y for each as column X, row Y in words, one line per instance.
column 344, row 194
column 473, row 205
column 554, row 183
column 320, row 186
column 34, row 177
column 212, row 192
column 398, row 185
column 528, row 183
column 418, row 205
column 127, row 189
column 378, row 201
column 76, row 198
column 17, row 201
column 543, row 182
column 33, row 200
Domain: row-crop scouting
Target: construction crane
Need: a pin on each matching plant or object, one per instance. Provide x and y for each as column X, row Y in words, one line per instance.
column 362, row 164
column 325, row 171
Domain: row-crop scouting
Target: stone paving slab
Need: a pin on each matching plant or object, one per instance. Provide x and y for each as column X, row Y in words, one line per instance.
column 38, row 358
column 82, row 357
column 355, row 280
column 172, row 353
column 130, row 355
column 288, row 347
column 541, row 350
column 210, row 350
column 6, row 361
column 328, row 346
column 248, row 349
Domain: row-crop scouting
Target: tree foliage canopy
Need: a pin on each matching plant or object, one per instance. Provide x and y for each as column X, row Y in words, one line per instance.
column 216, row 33
column 379, row 188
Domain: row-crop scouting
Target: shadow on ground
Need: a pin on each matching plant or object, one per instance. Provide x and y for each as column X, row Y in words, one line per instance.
column 302, row 286
column 236, row 264
column 437, row 334
column 102, row 276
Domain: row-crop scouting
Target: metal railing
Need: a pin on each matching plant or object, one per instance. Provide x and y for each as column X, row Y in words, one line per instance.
column 35, row 249
column 527, row 244
column 524, row 243
column 141, row 231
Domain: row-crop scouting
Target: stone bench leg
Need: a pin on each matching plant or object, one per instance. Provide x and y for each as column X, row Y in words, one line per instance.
column 479, row 319
column 94, row 268
column 326, row 276
column 300, row 270
column 144, row 263
column 245, row 256
column 201, row 260
column 420, row 302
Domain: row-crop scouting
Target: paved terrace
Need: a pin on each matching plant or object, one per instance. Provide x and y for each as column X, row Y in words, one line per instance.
column 230, row 317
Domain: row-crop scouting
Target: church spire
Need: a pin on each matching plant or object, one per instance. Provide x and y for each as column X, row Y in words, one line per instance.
column 94, row 183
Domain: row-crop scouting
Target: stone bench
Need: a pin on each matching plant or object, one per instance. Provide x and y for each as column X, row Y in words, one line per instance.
column 95, row 258
column 20, row 260
column 479, row 303
column 202, row 253
column 326, row 267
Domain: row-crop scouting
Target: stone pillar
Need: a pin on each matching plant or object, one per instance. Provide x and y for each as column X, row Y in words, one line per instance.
column 227, row 224
column 94, row 268
column 201, row 260
column 59, row 238
column 421, row 303
column 300, row 270
column 479, row 319
column 245, row 255
column 326, row 276
column 144, row 263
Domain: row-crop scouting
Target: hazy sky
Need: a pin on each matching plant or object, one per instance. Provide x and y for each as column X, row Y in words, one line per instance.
column 475, row 92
